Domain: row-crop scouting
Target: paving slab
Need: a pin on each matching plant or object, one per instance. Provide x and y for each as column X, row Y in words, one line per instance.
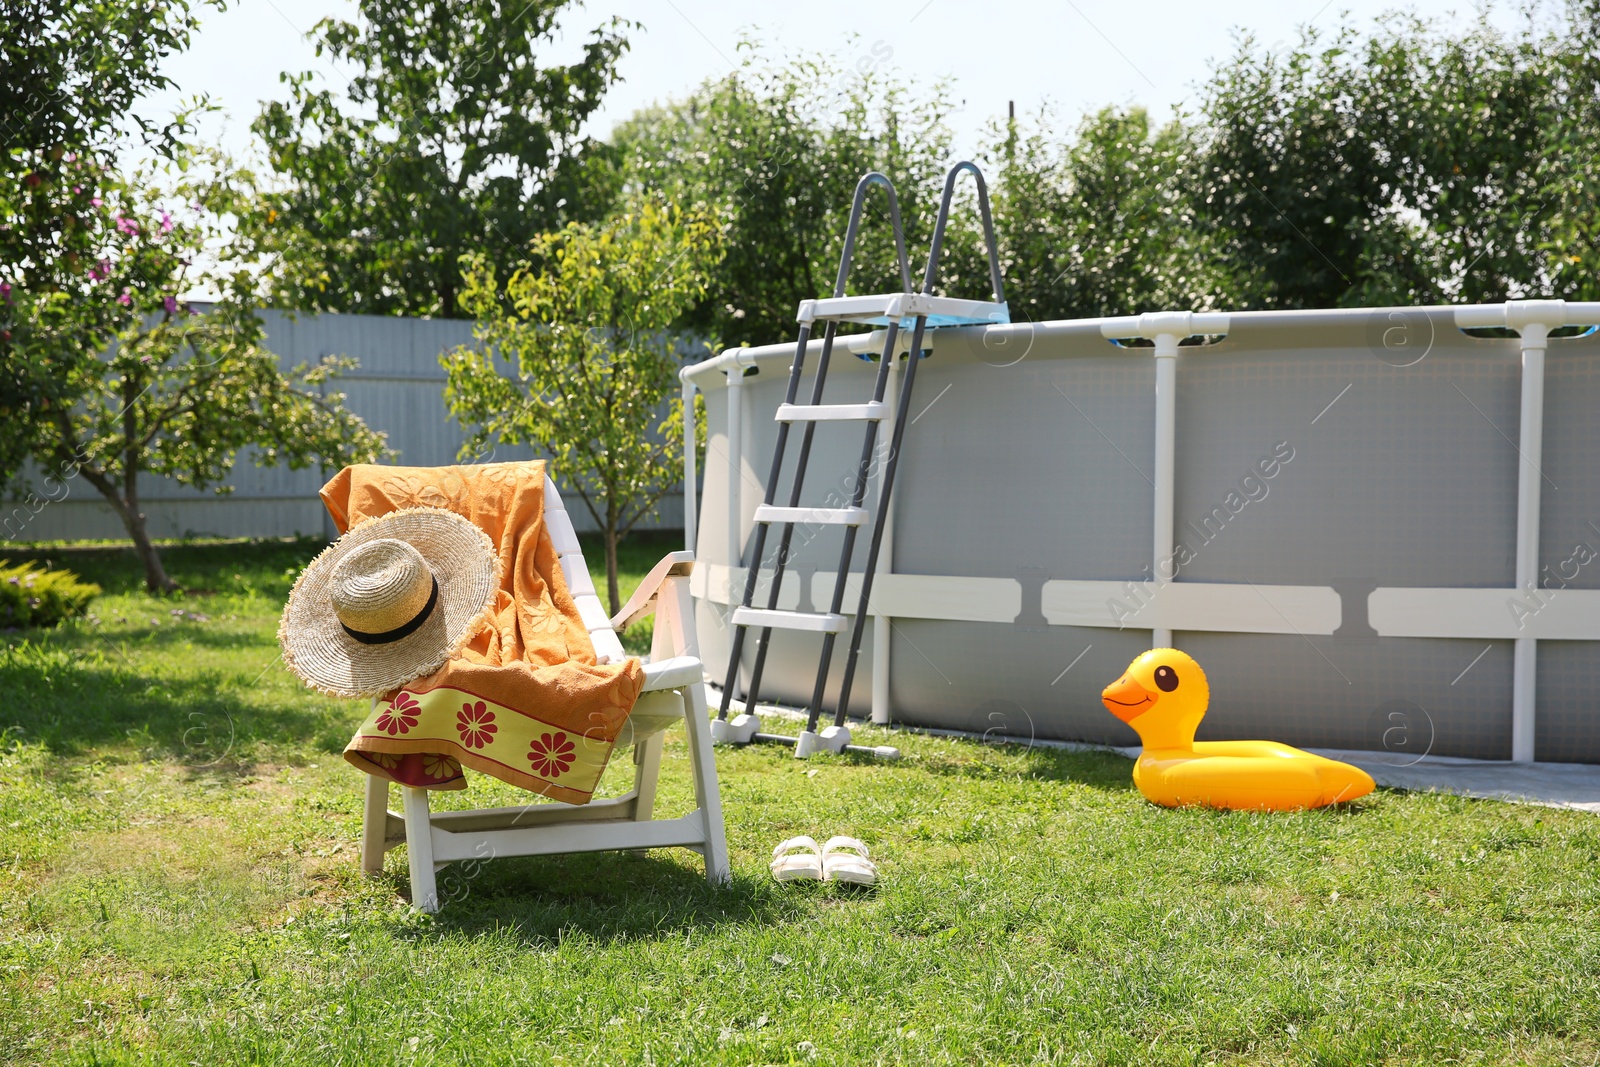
column 1556, row 785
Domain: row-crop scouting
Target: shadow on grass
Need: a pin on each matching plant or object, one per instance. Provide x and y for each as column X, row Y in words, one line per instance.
column 73, row 702
column 254, row 641
column 605, row 897
column 268, row 565
column 978, row 759
column 203, row 566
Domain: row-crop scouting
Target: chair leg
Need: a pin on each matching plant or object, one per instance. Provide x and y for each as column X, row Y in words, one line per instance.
column 419, row 847
column 647, row 761
column 708, row 795
column 374, row 824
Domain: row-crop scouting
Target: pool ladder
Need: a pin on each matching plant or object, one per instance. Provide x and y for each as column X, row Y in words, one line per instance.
column 923, row 311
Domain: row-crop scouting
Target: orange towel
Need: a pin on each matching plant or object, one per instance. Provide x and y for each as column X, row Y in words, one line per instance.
column 525, row 700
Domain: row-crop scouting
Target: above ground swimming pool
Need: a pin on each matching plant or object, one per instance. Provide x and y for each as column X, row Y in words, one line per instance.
column 1375, row 528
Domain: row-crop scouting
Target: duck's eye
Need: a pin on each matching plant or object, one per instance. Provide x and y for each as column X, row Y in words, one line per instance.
column 1166, row 679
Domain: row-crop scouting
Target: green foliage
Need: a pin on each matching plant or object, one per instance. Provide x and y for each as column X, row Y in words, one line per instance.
column 1290, row 173
column 1408, row 166
column 586, row 333
column 108, row 372
column 35, row 596
column 1404, row 164
column 1100, row 225
column 185, row 390
column 158, row 387
column 71, row 78
column 775, row 152
column 454, row 139
column 72, row 75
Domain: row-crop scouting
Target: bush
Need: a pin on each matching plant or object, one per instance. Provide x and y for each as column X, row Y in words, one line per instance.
column 32, row 596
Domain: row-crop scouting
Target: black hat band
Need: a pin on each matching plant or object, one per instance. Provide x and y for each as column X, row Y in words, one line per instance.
column 405, row 630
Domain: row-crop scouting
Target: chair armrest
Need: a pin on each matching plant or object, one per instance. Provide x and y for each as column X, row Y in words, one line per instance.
column 672, row 673
column 643, row 601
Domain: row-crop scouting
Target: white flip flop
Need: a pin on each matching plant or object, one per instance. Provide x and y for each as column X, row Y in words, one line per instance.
column 844, row 859
column 790, row 865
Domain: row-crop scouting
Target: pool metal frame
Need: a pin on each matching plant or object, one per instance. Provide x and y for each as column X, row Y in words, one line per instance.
column 1165, row 605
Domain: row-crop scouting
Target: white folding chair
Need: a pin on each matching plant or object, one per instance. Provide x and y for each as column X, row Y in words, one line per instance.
column 674, row 689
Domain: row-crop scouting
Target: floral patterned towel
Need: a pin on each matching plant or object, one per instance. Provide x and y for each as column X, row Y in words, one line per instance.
column 525, row 700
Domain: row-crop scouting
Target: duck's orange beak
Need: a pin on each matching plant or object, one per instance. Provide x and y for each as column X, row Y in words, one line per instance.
column 1127, row 699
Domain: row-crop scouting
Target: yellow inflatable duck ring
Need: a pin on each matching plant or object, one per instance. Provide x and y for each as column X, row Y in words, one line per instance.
column 1163, row 696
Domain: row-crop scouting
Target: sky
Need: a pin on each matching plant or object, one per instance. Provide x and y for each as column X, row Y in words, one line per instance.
column 1077, row 55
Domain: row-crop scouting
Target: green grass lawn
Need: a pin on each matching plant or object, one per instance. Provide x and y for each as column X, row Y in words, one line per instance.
column 178, row 884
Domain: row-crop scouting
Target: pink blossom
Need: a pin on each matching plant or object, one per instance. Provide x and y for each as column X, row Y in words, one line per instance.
column 77, row 189
column 126, row 299
column 100, row 270
column 95, row 202
column 166, row 222
column 127, row 225
column 171, row 304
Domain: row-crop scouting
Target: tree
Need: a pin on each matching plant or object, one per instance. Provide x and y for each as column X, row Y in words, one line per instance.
column 1412, row 165
column 1290, row 172
column 1569, row 205
column 107, row 373
column 585, row 331
column 1487, row 159
column 1102, row 224
column 454, row 139
column 159, row 387
column 775, row 151
column 71, row 77
column 1405, row 163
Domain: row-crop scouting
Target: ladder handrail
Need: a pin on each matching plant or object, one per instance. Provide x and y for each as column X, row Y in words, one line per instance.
column 930, row 275
column 897, row 435
column 857, row 205
column 869, row 447
column 758, row 549
column 786, row 539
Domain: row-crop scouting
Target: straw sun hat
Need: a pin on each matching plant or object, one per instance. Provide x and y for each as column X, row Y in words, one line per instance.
column 390, row 601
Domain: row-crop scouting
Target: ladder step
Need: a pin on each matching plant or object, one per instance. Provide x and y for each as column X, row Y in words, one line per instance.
column 872, row 411
column 833, row 516
column 824, row 622
column 884, row 308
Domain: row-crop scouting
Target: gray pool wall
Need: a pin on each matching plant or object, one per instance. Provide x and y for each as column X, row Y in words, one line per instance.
column 1029, row 458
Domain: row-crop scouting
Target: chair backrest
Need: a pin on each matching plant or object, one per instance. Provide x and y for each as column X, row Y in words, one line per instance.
column 579, row 584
